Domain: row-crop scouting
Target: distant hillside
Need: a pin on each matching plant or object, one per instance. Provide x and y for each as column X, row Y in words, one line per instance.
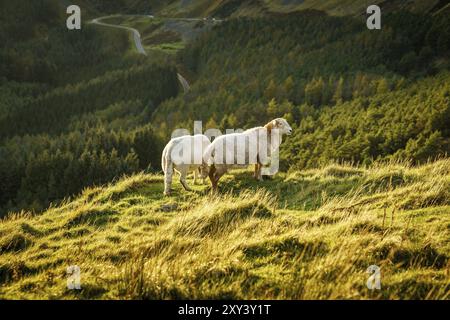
column 101, row 7
column 233, row 8
column 230, row 8
column 39, row 15
column 67, row 119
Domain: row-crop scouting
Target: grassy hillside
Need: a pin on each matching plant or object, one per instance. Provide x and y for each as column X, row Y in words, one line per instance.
column 235, row 8
column 239, row 8
column 305, row 234
column 161, row 36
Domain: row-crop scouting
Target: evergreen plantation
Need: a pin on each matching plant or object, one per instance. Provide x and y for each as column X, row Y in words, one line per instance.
column 102, row 132
column 352, row 94
column 74, row 108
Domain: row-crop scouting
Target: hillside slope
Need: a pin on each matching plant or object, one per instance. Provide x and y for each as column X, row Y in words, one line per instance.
column 67, row 120
column 234, row 8
column 309, row 234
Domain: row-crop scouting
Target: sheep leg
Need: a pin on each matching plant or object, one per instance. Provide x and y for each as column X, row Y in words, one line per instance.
column 258, row 174
column 168, row 172
column 212, row 178
column 195, row 176
column 183, row 173
column 217, row 178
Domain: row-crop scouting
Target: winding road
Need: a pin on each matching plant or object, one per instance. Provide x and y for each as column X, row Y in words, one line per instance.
column 136, row 34
column 138, row 43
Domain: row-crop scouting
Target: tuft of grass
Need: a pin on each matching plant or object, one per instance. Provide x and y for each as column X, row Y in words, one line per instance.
column 221, row 214
column 96, row 216
column 15, row 242
column 339, row 171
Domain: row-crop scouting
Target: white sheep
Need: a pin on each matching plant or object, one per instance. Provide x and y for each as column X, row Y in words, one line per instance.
column 183, row 155
column 254, row 146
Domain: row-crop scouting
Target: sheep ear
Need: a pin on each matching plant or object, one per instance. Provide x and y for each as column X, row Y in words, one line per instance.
column 274, row 123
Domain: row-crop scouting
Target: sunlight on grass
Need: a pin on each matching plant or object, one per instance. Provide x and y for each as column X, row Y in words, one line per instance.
column 253, row 240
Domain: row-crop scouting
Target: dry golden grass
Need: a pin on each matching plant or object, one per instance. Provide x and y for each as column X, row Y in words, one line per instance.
column 302, row 235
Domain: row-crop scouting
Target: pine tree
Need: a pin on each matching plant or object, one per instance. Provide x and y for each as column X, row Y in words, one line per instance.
column 339, row 92
column 272, row 108
column 271, row 90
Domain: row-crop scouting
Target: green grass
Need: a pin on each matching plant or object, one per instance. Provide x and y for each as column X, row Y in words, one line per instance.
column 203, row 8
column 300, row 235
column 157, row 36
